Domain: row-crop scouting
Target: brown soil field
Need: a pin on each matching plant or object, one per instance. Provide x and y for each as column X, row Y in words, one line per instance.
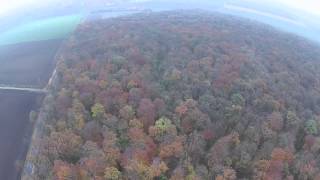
column 29, row 63
column 15, row 130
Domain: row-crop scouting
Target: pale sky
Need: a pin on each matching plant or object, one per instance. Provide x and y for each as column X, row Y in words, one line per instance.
column 310, row 6
column 9, row 6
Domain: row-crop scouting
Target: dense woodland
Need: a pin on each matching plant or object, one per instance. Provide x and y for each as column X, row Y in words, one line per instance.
column 182, row 95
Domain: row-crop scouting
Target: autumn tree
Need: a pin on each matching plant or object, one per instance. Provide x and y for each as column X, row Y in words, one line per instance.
column 146, row 112
column 63, row 171
column 127, row 112
column 78, row 115
column 63, row 145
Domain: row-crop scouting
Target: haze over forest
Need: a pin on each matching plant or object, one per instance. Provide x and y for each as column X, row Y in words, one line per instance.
column 181, row 95
column 160, row 89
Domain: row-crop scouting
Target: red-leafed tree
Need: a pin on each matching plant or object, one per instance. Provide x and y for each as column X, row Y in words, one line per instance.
column 63, row 170
column 146, row 112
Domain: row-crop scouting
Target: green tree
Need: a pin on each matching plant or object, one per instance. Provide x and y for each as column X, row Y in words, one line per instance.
column 112, row 173
column 311, row 127
column 97, row 111
column 237, row 99
column 163, row 127
column 163, row 124
column 292, row 118
column 33, row 116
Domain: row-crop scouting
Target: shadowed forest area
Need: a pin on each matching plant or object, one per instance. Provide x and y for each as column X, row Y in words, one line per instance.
column 182, row 95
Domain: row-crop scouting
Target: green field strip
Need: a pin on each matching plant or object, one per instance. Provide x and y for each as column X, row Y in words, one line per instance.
column 45, row 29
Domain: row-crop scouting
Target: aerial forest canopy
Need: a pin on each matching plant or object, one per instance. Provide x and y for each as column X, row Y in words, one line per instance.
column 182, row 95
